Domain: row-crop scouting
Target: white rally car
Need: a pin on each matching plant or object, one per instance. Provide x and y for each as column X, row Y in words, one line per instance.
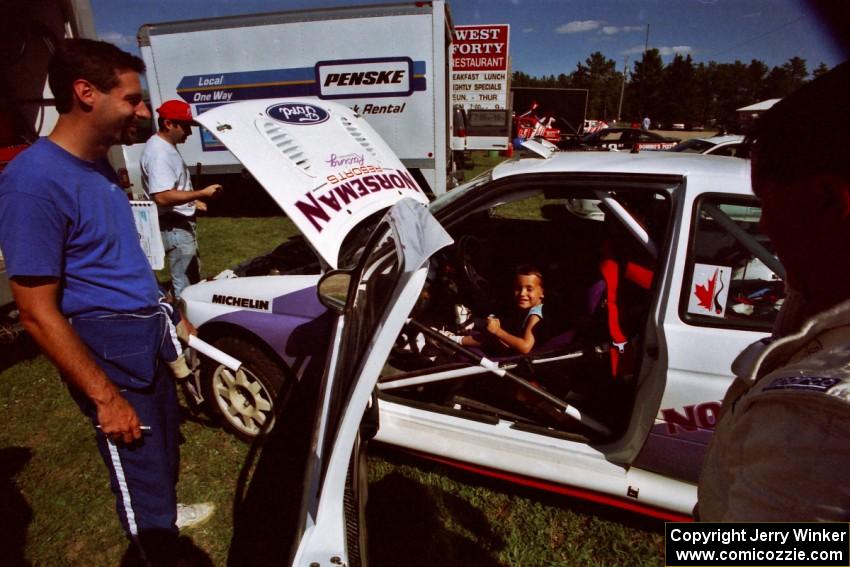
column 647, row 302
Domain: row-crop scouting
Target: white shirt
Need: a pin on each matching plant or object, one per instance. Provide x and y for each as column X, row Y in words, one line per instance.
column 163, row 169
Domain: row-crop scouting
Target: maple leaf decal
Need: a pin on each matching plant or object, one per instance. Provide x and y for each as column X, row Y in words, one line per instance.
column 706, row 293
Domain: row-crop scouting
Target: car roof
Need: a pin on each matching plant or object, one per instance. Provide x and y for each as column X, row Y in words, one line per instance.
column 627, row 163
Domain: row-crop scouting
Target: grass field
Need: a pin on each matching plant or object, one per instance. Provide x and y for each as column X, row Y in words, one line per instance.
column 56, row 508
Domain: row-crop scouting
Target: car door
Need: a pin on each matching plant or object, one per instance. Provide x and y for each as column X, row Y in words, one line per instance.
column 381, row 291
column 301, row 497
column 729, row 288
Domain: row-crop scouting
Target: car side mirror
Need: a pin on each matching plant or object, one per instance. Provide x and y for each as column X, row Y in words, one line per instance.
column 333, row 289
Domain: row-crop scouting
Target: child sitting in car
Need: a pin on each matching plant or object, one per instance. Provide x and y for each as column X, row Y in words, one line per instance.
column 516, row 331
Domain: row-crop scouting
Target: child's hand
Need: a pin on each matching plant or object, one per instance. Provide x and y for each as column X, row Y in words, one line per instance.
column 493, row 325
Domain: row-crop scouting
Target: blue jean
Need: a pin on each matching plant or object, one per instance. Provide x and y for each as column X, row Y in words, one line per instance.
column 181, row 249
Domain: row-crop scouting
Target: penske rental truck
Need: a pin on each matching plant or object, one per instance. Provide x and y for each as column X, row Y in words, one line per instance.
column 389, row 63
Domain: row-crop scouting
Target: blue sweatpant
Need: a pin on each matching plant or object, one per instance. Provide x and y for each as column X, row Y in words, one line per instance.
column 143, row 475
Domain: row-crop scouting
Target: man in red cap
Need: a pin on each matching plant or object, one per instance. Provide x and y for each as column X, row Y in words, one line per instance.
column 166, row 179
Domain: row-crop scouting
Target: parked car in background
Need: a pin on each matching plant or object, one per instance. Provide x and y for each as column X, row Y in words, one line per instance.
column 717, row 145
column 627, row 139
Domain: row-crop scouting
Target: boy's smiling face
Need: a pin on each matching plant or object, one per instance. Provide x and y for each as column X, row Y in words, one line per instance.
column 528, row 291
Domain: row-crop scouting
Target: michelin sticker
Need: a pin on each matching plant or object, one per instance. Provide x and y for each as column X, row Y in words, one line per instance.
column 243, row 302
column 709, row 290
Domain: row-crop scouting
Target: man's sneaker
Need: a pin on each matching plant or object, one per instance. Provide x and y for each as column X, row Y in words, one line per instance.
column 190, row 515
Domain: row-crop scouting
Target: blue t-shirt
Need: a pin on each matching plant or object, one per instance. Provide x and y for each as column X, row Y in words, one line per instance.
column 64, row 217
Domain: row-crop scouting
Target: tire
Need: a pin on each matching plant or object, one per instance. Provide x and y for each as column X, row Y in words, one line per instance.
column 245, row 401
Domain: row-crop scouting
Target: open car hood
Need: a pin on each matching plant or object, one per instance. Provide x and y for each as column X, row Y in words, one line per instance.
column 321, row 163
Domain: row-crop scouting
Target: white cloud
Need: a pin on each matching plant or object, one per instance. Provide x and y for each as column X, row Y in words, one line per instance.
column 118, row 38
column 527, row 30
column 676, row 50
column 612, row 30
column 664, row 51
column 598, row 26
column 579, row 26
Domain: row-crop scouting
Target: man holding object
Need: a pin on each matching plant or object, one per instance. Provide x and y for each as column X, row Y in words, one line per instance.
column 85, row 290
column 166, row 179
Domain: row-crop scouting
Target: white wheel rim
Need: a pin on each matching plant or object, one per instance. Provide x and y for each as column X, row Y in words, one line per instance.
column 243, row 400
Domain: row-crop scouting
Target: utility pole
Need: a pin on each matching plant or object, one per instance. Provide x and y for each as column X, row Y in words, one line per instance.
column 623, row 86
column 646, row 42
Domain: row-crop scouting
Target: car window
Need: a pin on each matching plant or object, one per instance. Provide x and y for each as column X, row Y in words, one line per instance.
column 692, row 146
column 730, row 150
column 611, row 136
column 733, row 278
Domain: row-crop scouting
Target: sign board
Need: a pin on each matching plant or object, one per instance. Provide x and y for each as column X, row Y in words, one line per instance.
column 147, row 225
column 480, row 66
column 383, row 62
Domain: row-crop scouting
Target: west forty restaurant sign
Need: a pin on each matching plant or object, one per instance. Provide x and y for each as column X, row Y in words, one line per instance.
column 480, row 66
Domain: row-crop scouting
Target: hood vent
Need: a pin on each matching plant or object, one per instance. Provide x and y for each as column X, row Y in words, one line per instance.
column 285, row 144
column 358, row 136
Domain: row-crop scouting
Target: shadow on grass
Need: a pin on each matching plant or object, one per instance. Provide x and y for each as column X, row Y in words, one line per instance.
column 182, row 552
column 625, row 518
column 405, row 527
column 18, row 350
column 15, row 511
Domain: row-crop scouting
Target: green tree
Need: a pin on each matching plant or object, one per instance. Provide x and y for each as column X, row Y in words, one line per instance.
column 822, row 69
column 730, row 92
column 646, row 87
column 520, row 79
column 680, row 100
column 786, row 79
column 599, row 76
column 756, row 77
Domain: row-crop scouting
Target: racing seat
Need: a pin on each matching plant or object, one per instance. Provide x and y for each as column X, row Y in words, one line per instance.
column 613, row 271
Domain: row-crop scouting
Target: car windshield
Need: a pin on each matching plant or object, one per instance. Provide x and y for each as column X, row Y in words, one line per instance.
column 692, row 146
column 451, row 196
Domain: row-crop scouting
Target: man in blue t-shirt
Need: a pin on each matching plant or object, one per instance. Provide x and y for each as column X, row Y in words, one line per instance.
column 85, row 290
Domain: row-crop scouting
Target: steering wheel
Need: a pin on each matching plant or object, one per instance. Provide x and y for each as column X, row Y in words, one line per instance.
column 471, row 250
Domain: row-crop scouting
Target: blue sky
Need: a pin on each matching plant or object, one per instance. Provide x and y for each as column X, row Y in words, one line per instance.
column 551, row 36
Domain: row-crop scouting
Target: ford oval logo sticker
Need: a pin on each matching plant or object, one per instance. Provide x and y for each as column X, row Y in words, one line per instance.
column 297, row 113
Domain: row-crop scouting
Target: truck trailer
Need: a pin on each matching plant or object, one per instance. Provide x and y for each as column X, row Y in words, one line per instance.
column 388, row 63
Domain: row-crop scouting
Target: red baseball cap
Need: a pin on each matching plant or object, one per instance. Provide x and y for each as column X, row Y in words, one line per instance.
column 176, row 110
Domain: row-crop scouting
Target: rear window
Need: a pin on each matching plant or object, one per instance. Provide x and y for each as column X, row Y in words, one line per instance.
column 733, row 277
column 692, row 146
column 487, row 118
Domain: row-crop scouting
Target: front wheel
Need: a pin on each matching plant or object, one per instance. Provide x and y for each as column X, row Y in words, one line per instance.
column 244, row 400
